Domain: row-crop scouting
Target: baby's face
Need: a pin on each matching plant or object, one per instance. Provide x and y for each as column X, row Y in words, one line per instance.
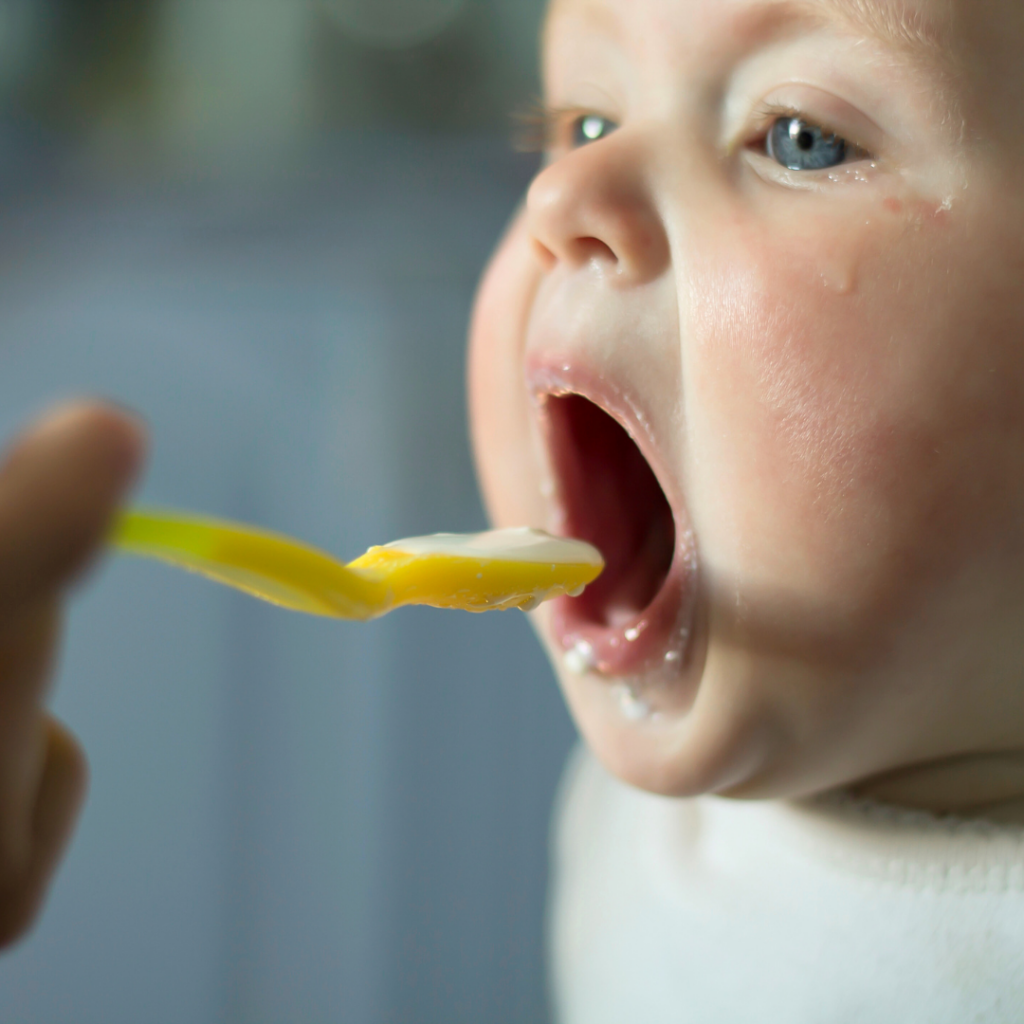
column 758, row 334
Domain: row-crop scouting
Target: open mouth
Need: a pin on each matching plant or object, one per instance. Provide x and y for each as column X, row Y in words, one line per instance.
column 633, row 617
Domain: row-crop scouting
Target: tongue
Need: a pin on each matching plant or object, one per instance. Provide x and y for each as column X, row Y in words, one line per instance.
column 612, row 499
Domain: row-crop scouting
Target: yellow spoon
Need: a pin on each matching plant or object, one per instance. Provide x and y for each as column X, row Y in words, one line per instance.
column 476, row 572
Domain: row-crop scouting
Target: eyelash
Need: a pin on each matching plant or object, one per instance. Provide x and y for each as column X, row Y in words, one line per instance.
column 539, row 128
column 766, row 114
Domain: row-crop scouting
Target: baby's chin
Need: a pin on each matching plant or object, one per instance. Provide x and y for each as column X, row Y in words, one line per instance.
column 682, row 733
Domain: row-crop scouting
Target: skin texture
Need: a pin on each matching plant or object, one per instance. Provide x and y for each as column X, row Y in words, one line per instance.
column 60, row 486
column 829, row 371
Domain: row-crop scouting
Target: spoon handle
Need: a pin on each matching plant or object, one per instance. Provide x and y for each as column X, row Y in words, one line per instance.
column 265, row 564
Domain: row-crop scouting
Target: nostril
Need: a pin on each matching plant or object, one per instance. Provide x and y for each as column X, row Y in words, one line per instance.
column 577, row 252
column 593, row 250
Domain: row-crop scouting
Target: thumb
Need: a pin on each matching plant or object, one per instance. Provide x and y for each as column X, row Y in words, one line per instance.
column 60, row 484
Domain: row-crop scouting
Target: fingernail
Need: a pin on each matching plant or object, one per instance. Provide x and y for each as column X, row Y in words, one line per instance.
column 54, row 420
column 130, row 453
column 128, row 410
column 135, row 453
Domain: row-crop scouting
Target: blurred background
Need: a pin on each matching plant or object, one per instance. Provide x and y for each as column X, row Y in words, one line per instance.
column 260, row 223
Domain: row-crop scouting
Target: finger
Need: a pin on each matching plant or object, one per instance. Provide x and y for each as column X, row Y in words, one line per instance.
column 59, row 488
column 57, row 493
column 59, row 800
column 27, row 654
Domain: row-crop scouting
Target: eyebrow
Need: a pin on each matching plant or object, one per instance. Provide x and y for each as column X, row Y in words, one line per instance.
column 892, row 22
column 602, row 17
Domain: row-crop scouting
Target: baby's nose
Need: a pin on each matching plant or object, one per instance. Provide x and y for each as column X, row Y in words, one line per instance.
column 593, row 205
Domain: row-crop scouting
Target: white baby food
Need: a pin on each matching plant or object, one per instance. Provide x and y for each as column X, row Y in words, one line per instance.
column 522, row 544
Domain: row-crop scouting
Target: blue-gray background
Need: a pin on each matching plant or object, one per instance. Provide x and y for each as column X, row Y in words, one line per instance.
column 260, row 223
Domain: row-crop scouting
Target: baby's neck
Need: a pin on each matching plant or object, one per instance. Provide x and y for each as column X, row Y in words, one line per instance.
column 969, row 786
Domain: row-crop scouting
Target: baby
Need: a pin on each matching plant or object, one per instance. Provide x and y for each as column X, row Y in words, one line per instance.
column 758, row 334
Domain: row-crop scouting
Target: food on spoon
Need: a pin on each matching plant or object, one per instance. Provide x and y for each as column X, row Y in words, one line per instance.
column 517, row 568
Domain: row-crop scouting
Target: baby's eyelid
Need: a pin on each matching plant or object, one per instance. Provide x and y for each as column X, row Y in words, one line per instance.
column 834, row 116
column 593, row 124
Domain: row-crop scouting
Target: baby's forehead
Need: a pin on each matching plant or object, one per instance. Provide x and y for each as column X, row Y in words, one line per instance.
column 902, row 22
column 932, row 28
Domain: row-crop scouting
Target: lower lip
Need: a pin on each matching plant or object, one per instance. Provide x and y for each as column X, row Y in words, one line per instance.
column 646, row 648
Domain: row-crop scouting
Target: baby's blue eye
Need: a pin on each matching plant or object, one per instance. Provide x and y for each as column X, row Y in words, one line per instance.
column 590, row 128
column 804, row 147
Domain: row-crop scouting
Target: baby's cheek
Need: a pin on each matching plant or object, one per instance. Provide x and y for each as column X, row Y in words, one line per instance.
column 506, row 455
column 845, row 441
column 778, row 387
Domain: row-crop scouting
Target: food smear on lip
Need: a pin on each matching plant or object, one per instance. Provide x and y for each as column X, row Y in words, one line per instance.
column 491, row 571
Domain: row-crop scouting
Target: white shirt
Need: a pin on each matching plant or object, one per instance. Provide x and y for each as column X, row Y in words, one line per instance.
column 824, row 911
